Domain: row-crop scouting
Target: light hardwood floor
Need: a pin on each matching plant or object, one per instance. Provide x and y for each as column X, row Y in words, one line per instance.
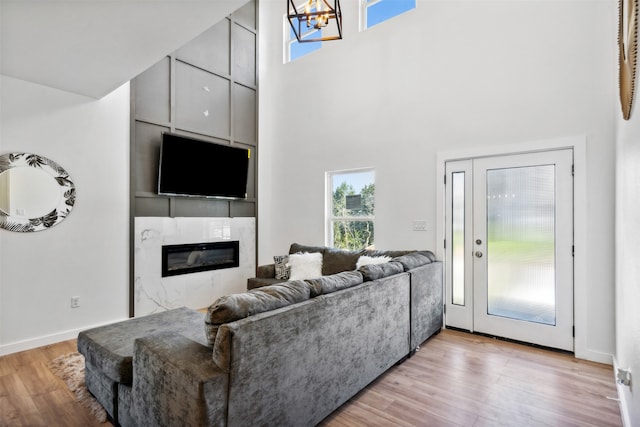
column 456, row 379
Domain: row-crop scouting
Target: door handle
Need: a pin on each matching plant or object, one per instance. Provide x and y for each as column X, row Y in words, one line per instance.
column 478, row 254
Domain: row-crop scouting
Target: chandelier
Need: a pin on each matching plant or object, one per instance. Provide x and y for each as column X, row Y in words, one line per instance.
column 316, row 15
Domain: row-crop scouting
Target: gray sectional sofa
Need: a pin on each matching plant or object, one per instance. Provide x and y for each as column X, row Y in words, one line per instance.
column 285, row 354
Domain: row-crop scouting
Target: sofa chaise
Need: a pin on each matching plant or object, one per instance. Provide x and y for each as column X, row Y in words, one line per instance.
column 287, row 353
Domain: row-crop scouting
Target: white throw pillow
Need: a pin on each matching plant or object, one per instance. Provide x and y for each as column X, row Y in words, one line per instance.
column 366, row 260
column 305, row 265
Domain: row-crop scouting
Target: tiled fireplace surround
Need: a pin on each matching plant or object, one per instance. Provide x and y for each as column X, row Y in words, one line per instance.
column 154, row 293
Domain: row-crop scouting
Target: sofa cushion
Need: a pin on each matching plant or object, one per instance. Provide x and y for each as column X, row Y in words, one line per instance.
column 305, row 265
column 334, row 282
column 334, row 260
column 366, row 260
column 429, row 255
column 234, row 307
column 258, row 282
column 413, row 260
column 110, row 348
column 339, row 260
column 281, row 267
column 297, row 248
column 378, row 271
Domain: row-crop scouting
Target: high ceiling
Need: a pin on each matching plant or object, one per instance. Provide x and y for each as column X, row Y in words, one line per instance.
column 91, row 47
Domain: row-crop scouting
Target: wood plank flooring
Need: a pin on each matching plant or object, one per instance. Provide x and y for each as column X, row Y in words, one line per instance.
column 30, row 395
column 456, row 379
column 460, row 379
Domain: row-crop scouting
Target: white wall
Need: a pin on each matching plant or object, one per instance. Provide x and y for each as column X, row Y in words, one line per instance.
column 450, row 75
column 87, row 254
column 627, row 265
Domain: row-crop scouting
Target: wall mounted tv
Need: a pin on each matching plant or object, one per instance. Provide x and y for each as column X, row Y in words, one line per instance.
column 197, row 168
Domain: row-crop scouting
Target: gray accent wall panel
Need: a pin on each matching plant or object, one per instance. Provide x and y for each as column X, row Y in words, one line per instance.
column 244, row 54
column 245, row 113
column 187, row 206
column 210, row 51
column 206, row 89
column 147, row 151
column 152, row 92
column 251, row 181
column 246, row 15
column 152, row 206
column 240, row 208
column 202, row 101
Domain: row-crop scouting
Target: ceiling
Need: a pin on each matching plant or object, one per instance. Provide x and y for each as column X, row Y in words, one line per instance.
column 91, row 47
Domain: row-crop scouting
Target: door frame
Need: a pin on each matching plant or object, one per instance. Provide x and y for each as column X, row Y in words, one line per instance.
column 579, row 146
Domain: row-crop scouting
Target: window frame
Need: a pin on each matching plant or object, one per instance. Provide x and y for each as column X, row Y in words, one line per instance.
column 330, row 219
column 364, row 6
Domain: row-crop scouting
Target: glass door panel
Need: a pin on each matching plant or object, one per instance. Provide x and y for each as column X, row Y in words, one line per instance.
column 521, row 243
column 458, row 246
column 459, row 243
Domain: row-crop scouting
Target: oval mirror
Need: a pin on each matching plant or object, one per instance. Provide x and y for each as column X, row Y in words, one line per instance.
column 35, row 192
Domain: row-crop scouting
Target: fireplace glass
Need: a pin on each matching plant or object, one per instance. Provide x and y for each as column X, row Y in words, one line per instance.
column 191, row 258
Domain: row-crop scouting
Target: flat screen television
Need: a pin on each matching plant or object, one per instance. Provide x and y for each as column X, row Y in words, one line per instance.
column 195, row 168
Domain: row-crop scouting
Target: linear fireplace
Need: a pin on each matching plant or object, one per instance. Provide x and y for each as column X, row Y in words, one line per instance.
column 191, row 258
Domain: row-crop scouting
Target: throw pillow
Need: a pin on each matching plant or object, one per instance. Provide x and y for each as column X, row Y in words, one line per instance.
column 369, row 260
column 281, row 266
column 339, row 260
column 305, row 266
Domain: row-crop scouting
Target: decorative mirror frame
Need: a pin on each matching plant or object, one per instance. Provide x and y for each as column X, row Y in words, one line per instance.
column 67, row 191
column 627, row 53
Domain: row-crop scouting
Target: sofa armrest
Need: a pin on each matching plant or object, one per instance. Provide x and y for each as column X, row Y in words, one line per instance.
column 265, row 275
column 176, row 382
column 426, row 302
column 267, row 271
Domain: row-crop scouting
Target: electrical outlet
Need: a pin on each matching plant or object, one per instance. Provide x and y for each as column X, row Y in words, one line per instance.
column 624, row 376
column 75, row 302
column 419, row 225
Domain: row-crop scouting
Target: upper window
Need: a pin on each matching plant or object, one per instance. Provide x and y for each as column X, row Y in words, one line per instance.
column 373, row 12
column 294, row 49
column 351, row 209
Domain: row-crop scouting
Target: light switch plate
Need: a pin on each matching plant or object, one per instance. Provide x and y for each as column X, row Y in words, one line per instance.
column 419, row 225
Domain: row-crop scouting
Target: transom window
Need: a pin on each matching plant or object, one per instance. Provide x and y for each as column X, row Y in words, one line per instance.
column 351, row 209
column 373, row 12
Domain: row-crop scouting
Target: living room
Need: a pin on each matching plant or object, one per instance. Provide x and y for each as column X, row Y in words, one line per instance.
column 448, row 79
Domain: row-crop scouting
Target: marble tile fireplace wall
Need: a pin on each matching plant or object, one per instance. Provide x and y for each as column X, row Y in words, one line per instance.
column 154, row 293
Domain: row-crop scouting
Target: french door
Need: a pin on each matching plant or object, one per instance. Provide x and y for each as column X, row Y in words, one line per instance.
column 509, row 247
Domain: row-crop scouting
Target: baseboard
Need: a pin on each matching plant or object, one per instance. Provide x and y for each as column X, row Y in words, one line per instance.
column 624, row 395
column 44, row 340
column 590, row 355
column 594, row 356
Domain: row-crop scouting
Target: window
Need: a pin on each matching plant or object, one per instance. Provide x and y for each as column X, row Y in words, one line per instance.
column 373, row 12
column 294, row 49
column 351, row 209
